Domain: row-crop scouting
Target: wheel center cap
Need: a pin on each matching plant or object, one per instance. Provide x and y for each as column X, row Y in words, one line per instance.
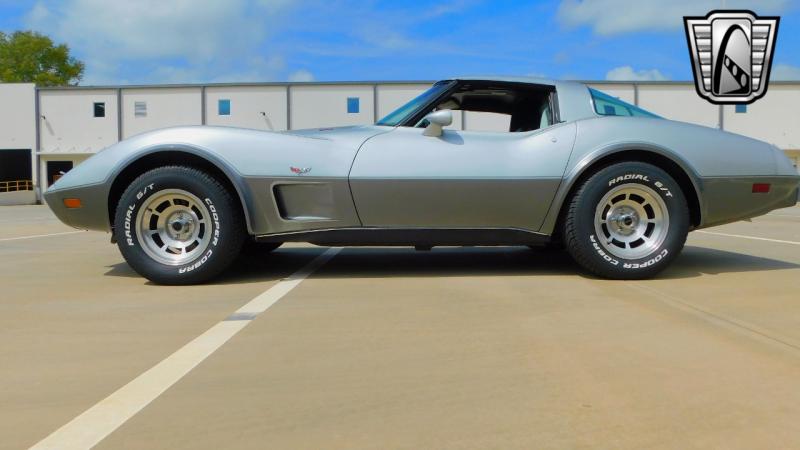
column 180, row 226
column 624, row 220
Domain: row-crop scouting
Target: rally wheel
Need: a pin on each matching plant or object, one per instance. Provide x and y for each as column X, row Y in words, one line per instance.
column 178, row 225
column 627, row 221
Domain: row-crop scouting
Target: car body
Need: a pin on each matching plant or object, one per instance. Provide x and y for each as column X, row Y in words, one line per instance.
column 393, row 184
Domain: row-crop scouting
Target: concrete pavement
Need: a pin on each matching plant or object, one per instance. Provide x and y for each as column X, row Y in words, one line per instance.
column 382, row 347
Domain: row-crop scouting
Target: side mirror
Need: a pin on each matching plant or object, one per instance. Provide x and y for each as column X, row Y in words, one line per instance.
column 436, row 121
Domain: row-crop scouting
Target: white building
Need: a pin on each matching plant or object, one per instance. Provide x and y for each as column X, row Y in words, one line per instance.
column 46, row 131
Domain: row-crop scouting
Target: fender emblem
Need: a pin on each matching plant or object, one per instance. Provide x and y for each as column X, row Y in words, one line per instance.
column 300, row 170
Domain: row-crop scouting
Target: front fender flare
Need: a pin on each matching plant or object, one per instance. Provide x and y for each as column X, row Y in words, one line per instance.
column 233, row 176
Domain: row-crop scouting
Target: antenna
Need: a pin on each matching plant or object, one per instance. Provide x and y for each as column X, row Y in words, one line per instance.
column 266, row 119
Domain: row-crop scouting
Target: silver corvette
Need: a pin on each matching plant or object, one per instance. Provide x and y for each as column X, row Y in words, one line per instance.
column 615, row 185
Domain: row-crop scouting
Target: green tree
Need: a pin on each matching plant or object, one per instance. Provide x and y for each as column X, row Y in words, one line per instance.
column 31, row 57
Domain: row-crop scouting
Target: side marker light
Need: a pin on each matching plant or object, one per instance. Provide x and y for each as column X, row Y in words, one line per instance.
column 72, row 203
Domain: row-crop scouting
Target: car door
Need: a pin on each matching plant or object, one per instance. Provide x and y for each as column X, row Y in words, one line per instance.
column 461, row 179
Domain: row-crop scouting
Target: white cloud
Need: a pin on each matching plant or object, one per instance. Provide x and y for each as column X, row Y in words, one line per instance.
column 608, row 17
column 183, row 40
column 369, row 29
column 38, row 13
column 301, row 75
column 785, row 72
column 443, row 8
column 537, row 75
column 151, row 28
column 255, row 68
column 627, row 73
column 104, row 73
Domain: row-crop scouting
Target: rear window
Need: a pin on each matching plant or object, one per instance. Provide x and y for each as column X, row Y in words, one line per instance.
column 606, row 105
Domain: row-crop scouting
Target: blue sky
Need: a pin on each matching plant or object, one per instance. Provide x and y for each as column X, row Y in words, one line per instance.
column 188, row 41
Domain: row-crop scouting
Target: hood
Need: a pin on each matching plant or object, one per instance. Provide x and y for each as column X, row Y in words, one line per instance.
column 350, row 136
column 251, row 152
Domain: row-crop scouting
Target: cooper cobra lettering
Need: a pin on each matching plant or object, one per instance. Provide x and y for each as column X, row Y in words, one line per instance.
column 215, row 217
column 214, row 241
column 601, row 252
column 647, row 263
column 197, row 264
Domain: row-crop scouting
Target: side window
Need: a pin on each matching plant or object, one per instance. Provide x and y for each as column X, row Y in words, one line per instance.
column 606, row 105
column 501, row 107
column 487, row 121
column 544, row 116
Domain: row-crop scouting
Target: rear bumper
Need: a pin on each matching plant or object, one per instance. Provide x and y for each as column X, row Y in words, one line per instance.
column 93, row 215
column 729, row 199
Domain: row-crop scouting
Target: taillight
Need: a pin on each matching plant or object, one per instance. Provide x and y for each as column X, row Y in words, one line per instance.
column 761, row 188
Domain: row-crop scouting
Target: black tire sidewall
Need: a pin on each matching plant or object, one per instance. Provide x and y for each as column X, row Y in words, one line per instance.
column 226, row 233
column 586, row 246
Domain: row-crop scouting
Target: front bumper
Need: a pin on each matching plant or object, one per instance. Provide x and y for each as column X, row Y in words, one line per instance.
column 92, row 215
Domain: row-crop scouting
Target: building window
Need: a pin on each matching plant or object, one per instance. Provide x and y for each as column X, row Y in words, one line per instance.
column 741, row 109
column 99, row 109
column 140, row 109
column 224, row 107
column 353, row 105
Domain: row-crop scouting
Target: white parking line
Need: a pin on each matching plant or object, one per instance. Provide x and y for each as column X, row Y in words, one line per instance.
column 97, row 422
column 755, row 238
column 40, row 236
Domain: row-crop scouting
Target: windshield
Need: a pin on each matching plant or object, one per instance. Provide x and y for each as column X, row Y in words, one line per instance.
column 409, row 109
column 606, row 105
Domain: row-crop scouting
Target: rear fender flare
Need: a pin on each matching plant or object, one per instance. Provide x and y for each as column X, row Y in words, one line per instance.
column 588, row 162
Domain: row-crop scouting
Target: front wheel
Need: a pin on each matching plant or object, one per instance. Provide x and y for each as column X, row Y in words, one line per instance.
column 627, row 221
column 178, row 225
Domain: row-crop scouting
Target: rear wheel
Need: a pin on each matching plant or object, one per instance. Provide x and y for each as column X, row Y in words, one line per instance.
column 627, row 221
column 178, row 225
